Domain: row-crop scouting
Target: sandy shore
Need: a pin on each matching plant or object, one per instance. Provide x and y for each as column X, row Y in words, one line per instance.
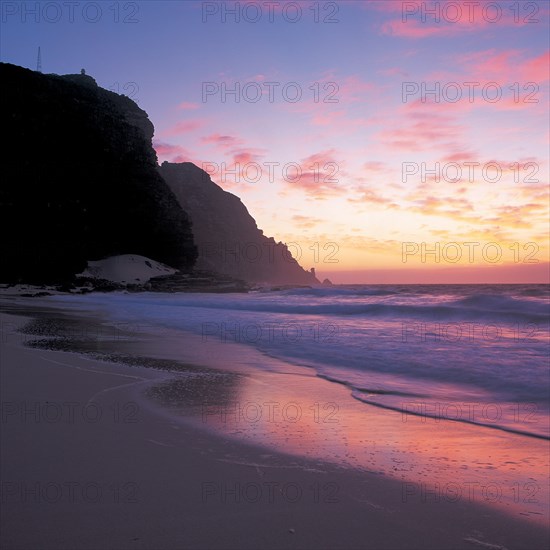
column 98, row 455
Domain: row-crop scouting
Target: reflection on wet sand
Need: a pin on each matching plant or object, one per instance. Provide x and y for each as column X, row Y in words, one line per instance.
column 309, row 417
column 247, row 395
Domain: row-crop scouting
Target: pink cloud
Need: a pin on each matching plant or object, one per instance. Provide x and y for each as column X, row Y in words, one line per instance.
column 428, row 104
column 184, row 127
column 375, row 166
column 306, row 222
column 394, row 71
column 506, row 66
column 319, row 174
column 320, row 158
column 461, row 155
column 246, row 156
column 240, row 167
column 327, row 100
column 417, row 19
column 368, row 196
column 413, row 29
column 172, row 153
column 507, row 80
column 537, row 69
column 352, row 88
column 458, row 98
column 422, row 131
column 490, row 65
column 188, row 106
column 332, row 88
column 222, row 141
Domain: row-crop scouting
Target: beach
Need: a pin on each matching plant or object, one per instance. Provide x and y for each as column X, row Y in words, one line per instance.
column 275, row 275
column 201, row 449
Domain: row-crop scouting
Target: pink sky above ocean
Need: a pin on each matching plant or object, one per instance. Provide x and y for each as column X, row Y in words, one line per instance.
column 354, row 131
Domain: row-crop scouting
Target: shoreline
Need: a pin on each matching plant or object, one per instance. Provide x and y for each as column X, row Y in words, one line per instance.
column 223, row 462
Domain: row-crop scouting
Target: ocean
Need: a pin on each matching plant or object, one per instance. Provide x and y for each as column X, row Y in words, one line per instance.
column 469, row 353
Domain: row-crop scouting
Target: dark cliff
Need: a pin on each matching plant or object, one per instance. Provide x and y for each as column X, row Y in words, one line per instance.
column 80, row 180
column 226, row 235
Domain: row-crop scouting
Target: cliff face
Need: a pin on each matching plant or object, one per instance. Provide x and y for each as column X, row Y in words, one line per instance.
column 226, row 235
column 80, row 180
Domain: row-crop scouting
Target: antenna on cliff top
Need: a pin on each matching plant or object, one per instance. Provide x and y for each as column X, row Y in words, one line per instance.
column 39, row 61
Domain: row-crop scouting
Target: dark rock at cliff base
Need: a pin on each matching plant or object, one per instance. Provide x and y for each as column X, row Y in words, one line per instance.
column 226, row 235
column 80, row 180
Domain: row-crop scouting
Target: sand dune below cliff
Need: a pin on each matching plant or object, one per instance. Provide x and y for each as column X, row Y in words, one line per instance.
column 126, row 269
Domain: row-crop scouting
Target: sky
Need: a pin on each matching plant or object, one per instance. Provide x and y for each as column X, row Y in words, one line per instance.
column 383, row 141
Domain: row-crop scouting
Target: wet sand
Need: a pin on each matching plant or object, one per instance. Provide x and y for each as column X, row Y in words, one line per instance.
column 205, row 450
